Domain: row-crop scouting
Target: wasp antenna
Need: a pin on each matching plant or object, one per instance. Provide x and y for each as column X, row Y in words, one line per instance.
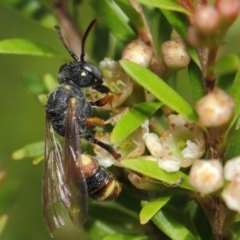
column 85, row 37
column 63, row 40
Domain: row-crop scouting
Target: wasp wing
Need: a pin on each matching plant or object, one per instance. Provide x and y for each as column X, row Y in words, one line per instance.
column 72, row 163
column 64, row 184
column 55, row 192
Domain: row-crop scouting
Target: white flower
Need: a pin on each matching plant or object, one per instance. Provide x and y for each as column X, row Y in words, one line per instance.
column 177, row 147
column 169, row 165
column 231, row 194
column 117, row 80
column 153, row 143
column 232, row 168
column 206, row 175
column 104, row 158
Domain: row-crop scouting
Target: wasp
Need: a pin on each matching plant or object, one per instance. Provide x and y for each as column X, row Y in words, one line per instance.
column 70, row 177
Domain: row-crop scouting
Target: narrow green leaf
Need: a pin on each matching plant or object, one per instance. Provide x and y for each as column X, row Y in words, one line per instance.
column 3, row 222
column 33, row 9
column 151, row 169
column 165, row 4
column 34, row 85
column 227, row 63
column 131, row 13
column 202, row 224
column 151, row 208
column 233, row 150
column 235, row 228
column 159, row 89
column 196, row 81
column 234, row 138
column 120, row 28
column 171, row 227
column 234, row 91
column 126, row 237
column 50, row 82
column 26, row 47
column 37, row 160
column 31, row 150
column 131, row 120
column 103, row 222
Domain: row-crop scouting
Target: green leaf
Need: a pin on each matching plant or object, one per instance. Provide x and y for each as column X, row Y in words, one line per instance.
column 33, row 9
column 31, row 150
column 102, row 221
column 171, row 227
column 159, row 89
column 38, row 159
column 151, row 208
column 34, row 85
column 227, row 63
column 151, row 169
column 126, row 237
column 50, row 82
column 3, row 222
column 233, row 150
column 201, row 222
column 196, row 81
column 165, row 4
column 234, row 91
column 131, row 120
column 26, row 47
column 114, row 19
column 131, row 13
column 234, row 138
column 235, row 228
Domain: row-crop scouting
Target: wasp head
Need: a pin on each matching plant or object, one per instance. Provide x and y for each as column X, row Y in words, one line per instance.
column 83, row 74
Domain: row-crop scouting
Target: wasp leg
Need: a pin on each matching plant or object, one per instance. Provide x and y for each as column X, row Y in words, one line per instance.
column 89, row 137
column 103, row 101
column 91, row 122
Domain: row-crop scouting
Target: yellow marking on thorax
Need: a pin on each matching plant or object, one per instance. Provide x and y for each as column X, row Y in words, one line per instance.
column 67, row 87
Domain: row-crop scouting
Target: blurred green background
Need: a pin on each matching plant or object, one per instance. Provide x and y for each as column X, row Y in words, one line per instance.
column 22, row 121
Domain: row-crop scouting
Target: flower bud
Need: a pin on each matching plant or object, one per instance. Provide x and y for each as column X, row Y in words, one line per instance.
column 232, row 168
column 207, row 19
column 138, row 52
column 231, row 194
column 215, row 109
column 174, row 54
column 228, row 10
column 194, row 37
column 206, row 176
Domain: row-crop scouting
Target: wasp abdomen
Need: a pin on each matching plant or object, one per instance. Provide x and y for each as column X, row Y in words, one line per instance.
column 102, row 186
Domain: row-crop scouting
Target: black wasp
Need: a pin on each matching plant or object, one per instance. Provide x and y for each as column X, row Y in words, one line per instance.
column 70, row 177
